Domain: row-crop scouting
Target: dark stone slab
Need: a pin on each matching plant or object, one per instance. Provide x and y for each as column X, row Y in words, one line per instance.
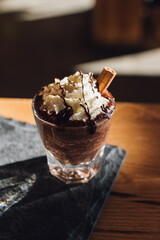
column 35, row 205
column 18, row 141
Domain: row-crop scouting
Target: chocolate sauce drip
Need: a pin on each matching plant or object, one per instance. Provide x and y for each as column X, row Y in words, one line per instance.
column 86, row 112
column 60, row 118
column 97, row 86
column 63, row 92
column 63, row 95
column 86, row 108
column 91, row 123
column 91, row 126
column 67, row 112
column 63, row 116
column 104, row 109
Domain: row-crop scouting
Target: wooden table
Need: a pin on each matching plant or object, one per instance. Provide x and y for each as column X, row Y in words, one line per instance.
column 132, row 210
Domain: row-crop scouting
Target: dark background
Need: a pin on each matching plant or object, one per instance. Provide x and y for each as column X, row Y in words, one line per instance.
column 33, row 52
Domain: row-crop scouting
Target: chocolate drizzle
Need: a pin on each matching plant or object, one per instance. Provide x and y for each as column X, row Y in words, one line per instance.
column 91, row 123
column 65, row 114
column 63, row 92
column 104, row 109
column 86, row 112
column 91, row 78
column 63, row 95
column 86, row 108
column 63, row 117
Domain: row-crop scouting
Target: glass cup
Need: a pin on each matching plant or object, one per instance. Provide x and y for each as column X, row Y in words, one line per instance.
column 74, row 154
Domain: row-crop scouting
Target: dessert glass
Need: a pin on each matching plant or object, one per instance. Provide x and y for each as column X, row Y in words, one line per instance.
column 74, row 153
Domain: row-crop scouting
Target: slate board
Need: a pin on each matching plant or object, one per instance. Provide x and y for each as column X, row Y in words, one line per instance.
column 34, row 204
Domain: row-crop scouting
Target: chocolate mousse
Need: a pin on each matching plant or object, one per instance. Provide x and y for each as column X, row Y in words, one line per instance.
column 73, row 117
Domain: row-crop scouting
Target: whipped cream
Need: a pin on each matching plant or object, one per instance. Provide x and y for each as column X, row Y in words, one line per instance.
column 79, row 93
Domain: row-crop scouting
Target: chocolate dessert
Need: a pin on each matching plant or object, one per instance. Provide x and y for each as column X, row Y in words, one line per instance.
column 73, row 118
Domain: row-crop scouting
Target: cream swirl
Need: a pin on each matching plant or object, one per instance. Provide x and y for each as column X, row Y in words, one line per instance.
column 79, row 92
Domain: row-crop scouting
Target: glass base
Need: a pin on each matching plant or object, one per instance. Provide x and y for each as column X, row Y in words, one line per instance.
column 80, row 173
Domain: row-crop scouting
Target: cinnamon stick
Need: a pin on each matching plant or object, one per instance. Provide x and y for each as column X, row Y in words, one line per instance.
column 105, row 78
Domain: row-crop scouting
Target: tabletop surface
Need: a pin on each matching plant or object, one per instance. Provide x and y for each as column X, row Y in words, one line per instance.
column 132, row 210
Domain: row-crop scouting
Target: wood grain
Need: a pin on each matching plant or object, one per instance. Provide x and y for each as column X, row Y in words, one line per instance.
column 132, row 210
